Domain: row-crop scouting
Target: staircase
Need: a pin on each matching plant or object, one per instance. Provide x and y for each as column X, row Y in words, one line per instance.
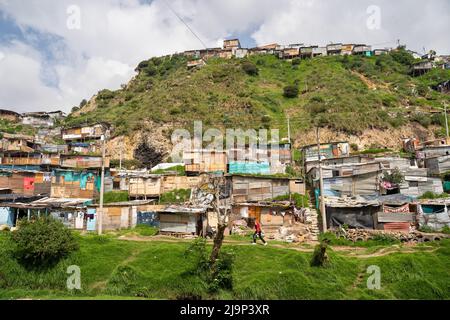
column 313, row 224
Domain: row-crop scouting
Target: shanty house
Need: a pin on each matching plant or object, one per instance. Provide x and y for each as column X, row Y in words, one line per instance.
column 327, row 151
column 182, row 220
column 77, row 184
column 83, row 133
column 347, row 49
column 272, row 215
column 82, row 161
column 71, row 212
column 121, row 215
column 231, row 43
column 422, row 67
column 38, row 119
column 357, row 184
column 200, row 161
column 17, row 142
column 438, row 165
column 434, row 214
column 319, row 52
column 362, row 49
column 290, row 53
column 28, row 183
column 307, row 52
column 355, row 212
column 334, row 49
column 255, row 188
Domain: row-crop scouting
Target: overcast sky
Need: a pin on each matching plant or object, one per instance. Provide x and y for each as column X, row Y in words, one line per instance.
column 54, row 53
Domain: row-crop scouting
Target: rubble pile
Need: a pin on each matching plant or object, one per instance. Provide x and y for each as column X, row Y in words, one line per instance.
column 364, row 235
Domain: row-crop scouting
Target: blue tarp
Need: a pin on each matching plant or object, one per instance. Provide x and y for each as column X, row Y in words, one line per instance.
column 6, row 216
column 249, row 167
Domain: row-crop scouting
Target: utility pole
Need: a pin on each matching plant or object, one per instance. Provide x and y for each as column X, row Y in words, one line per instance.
column 121, row 152
column 446, row 120
column 102, row 187
column 322, row 200
column 289, row 128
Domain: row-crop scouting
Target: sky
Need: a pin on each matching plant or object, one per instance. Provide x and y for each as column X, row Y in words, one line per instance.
column 54, row 53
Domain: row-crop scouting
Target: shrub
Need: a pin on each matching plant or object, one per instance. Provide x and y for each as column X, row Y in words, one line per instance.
column 296, row 62
column 290, row 91
column 216, row 277
column 42, row 242
column 320, row 257
column 250, row 68
column 395, row 177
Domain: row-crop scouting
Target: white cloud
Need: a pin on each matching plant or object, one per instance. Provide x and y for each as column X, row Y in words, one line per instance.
column 116, row 35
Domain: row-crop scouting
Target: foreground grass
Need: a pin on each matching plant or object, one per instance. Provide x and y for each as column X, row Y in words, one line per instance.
column 115, row 269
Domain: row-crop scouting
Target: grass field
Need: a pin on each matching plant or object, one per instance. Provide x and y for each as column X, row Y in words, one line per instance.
column 112, row 268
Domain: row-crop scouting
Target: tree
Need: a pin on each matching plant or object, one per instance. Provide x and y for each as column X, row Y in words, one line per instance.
column 215, row 188
column 223, row 212
column 250, row 68
column 83, row 103
column 42, row 242
column 291, row 91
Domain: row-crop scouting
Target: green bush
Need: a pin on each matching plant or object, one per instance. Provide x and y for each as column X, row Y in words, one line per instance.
column 250, row 68
column 218, row 277
column 42, row 242
column 290, row 91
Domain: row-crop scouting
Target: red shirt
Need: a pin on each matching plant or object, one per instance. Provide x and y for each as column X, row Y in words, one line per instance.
column 257, row 227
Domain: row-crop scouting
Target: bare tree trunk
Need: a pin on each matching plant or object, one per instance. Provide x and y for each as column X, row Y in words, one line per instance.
column 218, row 240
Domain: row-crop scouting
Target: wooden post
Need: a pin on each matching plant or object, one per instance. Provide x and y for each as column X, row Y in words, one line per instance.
column 322, row 200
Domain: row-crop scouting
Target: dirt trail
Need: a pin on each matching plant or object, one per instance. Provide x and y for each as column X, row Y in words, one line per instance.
column 355, row 252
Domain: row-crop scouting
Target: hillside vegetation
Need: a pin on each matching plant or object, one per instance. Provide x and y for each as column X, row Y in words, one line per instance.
column 345, row 93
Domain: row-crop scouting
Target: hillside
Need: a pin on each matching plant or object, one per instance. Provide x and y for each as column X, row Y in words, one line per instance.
column 353, row 97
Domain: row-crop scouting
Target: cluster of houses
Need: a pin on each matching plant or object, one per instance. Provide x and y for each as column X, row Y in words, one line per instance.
column 359, row 191
column 232, row 49
column 64, row 180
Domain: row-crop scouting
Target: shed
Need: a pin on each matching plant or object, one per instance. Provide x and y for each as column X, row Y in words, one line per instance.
column 182, row 220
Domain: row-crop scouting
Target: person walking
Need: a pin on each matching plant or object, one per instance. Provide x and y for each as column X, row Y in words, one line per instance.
column 258, row 233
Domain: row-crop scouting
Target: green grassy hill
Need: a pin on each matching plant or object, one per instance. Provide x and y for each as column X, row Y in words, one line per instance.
column 348, row 94
column 117, row 269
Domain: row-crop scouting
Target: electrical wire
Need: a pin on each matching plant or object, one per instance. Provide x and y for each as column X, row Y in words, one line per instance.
column 185, row 23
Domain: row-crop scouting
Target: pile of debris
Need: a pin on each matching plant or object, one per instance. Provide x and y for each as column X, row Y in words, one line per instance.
column 364, row 235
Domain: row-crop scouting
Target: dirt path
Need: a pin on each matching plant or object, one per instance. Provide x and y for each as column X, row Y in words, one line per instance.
column 355, row 252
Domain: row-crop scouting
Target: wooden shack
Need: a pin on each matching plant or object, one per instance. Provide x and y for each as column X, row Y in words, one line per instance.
column 145, row 186
column 28, row 183
column 254, row 188
column 179, row 220
column 200, row 161
column 122, row 215
column 77, row 184
column 83, row 161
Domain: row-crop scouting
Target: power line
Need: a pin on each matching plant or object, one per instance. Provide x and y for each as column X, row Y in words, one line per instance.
column 187, row 26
